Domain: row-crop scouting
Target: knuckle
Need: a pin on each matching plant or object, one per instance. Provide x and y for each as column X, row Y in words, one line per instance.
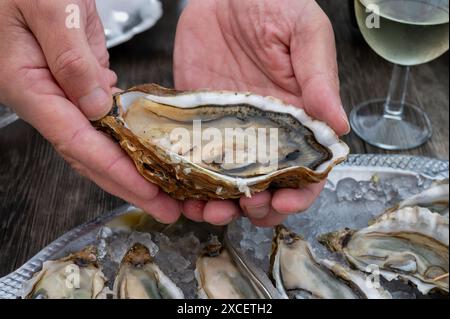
column 65, row 145
column 70, row 63
column 104, row 59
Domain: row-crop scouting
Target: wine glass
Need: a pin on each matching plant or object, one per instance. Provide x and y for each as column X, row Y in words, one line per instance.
column 406, row 33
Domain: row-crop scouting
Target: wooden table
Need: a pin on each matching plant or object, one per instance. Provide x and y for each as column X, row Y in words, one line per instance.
column 41, row 197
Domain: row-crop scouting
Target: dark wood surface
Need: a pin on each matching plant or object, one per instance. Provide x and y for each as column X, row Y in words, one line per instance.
column 41, row 197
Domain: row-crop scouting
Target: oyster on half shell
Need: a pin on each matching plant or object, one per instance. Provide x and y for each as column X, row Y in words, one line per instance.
column 298, row 274
column 410, row 243
column 148, row 120
column 434, row 198
column 140, row 278
column 77, row 276
column 222, row 274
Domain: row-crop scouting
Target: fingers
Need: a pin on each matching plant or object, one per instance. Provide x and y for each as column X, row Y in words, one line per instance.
column 271, row 219
column 73, row 136
column 160, row 206
column 122, row 179
column 291, row 201
column 164, row 208
column 263, row 209
column 314, row 60
column 193, row 209
column 99, row 153
column 96, row 35
column 112, row 78
column 69, row 56
column 102, row 159
column 257, row 206
column 285, row 202
column 214, row 212
column 220, row 212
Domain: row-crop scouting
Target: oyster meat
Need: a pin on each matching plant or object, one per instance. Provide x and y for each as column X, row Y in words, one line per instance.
column 77, row 276
column 206, row 144
column 410, row 243
column 221, row 274
column 298, row 274
column 140, row 278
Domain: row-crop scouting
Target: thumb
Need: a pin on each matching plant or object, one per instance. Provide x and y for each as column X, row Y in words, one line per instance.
column 69, row 55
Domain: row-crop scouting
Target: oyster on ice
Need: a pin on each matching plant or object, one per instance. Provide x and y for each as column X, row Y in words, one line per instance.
column 221, row 274
column 410, row 243
column 140, row 278
column 218, row 158
column 77, row 276
column 434, row 198
column 298, row 274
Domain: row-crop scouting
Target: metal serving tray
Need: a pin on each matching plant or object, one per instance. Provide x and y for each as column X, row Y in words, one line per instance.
column 357, row 167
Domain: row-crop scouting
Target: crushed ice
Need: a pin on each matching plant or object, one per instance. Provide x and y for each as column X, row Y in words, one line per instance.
column 177, row 259
column 349, row 203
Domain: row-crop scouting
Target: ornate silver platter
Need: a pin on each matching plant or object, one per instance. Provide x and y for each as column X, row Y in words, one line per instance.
column 347, row 191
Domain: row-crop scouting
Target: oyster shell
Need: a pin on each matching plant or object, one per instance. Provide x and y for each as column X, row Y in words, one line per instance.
column 435, row 198
column 222, row 274
column 140, row 278
column 144, row 118
column 77, row 276
column 410, row 243
column 298, row 274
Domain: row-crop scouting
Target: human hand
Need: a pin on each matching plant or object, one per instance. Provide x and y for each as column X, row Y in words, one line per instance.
column 282, row 48
column 57, row 79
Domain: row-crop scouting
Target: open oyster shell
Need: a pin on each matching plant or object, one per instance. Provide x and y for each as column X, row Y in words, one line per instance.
column 410, row 243
column 222, row 273
column 434, row 198
column 144, row 118
column 140, row 278
column 77, row 276
column 298, row 274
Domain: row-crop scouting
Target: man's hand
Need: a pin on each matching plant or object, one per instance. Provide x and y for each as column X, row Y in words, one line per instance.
column 57, row 79
column 282, row 48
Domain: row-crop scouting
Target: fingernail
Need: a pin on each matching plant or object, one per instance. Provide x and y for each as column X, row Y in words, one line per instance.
column 258, row 212
column 96, row 104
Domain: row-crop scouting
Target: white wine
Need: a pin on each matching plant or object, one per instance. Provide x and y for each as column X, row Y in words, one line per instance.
column 410, row 32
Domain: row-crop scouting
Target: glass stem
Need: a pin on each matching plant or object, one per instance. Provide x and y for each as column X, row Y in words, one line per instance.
column 395, row 100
